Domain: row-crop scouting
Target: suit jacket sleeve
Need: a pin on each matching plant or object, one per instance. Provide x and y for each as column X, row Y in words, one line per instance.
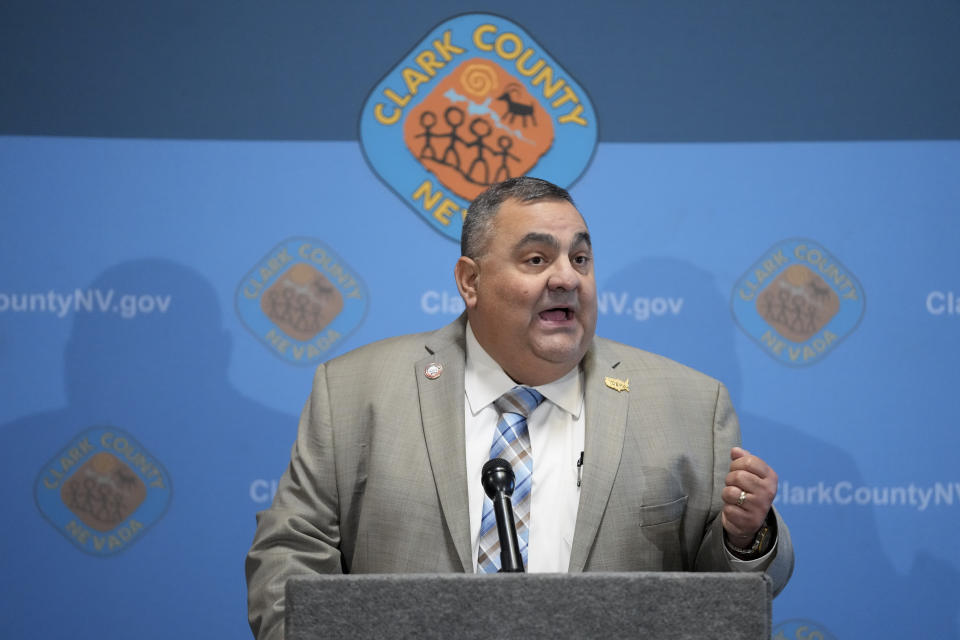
column 300, row 533
column 712, row 556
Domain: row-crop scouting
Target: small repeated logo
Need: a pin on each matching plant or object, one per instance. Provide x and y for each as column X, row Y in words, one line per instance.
column 475, row 102
column 801, row 630
column 798, row 302
column 103, row 490
column 300, row 300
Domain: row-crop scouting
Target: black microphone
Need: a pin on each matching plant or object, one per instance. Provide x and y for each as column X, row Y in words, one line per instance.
column 497, row 478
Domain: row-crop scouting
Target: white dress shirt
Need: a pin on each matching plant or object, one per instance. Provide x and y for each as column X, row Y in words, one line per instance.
column 556, row 431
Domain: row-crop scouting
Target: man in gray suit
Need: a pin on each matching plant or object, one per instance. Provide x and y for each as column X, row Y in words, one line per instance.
column 636, row 459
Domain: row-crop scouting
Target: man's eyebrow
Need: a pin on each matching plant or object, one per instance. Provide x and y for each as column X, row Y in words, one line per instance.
column 537, row 237
column 583, row 238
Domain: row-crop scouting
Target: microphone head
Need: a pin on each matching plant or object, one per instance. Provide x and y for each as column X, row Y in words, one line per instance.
column 497, row 476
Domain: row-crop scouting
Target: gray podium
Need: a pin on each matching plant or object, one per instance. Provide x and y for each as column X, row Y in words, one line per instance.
column 669, row 606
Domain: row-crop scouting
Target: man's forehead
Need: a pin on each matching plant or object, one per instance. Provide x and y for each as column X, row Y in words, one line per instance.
column 514, row 212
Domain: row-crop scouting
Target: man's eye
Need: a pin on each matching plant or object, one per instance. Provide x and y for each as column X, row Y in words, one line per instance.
column 535, row 260
column 581, row 259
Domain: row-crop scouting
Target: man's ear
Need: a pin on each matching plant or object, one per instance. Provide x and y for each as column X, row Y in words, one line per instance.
column 466, row 272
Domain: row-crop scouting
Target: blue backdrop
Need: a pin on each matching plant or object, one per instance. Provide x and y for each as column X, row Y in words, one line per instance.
column 795, row 240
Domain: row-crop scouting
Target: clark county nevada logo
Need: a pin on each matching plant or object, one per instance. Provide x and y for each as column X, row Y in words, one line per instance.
column 797, row 302
column 475, row 102
column 103, row 490
column 301, row 300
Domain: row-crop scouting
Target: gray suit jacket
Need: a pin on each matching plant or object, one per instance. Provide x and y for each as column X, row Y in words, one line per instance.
column 377, row 481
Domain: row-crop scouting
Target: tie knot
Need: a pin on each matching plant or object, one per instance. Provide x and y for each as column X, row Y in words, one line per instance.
column 520, row 400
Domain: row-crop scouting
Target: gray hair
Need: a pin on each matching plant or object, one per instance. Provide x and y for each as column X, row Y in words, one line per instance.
column 477, row 224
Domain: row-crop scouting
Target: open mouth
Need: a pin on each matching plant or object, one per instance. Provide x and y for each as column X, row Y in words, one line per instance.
column 557, row 314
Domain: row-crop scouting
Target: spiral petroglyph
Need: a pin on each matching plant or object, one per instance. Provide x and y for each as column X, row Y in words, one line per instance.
column 478, row 79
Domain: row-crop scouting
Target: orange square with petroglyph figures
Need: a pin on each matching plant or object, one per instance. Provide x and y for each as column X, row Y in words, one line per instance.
column 798, row 303
column 478, row 126
column 103, row 492
column 302, row 301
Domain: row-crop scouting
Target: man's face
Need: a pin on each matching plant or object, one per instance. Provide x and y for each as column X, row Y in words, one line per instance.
column 531, row 296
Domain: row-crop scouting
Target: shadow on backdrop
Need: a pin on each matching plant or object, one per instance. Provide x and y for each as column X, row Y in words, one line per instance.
column 843, row 577
column 161, row 377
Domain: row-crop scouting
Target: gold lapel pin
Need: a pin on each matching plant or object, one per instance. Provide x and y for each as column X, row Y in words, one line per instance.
column 433, row 370
column 617, row 384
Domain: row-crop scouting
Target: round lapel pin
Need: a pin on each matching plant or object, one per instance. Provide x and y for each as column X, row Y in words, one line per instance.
column 433, row 370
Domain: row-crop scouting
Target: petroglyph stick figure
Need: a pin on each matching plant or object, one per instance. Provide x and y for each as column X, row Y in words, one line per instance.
column 454, row 118
column 503, row 171
column 481, row 129
column 427, row 119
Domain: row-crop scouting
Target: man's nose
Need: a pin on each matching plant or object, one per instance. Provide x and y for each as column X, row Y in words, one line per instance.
column 563, row 277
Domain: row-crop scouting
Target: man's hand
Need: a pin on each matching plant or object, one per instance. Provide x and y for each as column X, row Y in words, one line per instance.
column 748, row 496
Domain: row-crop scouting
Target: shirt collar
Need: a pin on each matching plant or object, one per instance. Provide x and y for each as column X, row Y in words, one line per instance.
column 484, row 381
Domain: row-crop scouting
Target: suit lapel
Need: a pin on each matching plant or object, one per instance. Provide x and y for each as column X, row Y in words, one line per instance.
column 441, row 408
column 606, row 420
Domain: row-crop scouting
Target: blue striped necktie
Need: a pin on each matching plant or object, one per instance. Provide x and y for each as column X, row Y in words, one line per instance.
column 512, row 443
